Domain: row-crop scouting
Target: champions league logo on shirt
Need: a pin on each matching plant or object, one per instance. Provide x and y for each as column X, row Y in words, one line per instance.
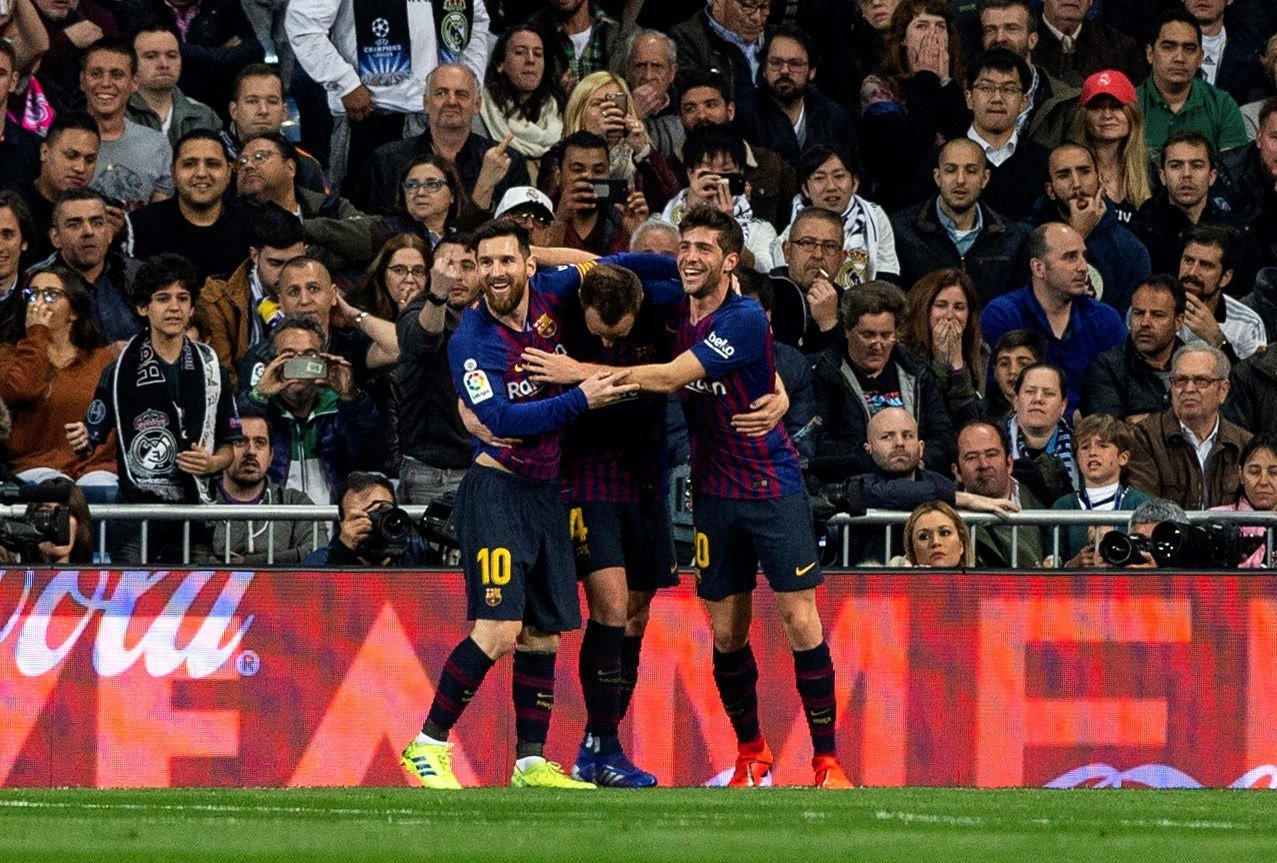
column 381, row 30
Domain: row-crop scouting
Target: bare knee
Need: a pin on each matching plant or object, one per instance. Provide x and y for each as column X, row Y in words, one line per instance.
column 638, row 613
column 535, row 640
column 800, row 619
column 496, row 638
column 606, row 595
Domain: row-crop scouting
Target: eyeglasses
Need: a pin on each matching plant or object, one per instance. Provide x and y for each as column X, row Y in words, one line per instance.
column 1199, row 382
column 49, row 295
column 401, row 271
column 755, row 8
column 811, row 244
column 430, row 184
column 778, row 63
column 529, row 216
column 254, row 158
column 985, row 88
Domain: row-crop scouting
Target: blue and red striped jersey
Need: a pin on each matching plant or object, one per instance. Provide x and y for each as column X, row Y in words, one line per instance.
column 734, row 344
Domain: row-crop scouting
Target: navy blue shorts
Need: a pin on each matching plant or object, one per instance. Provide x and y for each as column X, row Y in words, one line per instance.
column 733, row 537
column 636, row 536
column 515, row 550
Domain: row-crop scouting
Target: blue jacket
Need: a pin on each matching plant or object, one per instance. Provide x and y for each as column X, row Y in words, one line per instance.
column 341, row 435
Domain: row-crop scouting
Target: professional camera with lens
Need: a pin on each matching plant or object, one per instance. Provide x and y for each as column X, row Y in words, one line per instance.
column 391, row 527
column 436, row 523
column 1124, row 549
column 23, row 534
column 1182, row 546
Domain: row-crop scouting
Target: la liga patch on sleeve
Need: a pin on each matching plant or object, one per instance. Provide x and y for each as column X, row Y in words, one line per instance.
column 478, row 388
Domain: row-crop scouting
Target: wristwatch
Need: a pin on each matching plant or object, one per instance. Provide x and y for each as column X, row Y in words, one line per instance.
column 359, row 320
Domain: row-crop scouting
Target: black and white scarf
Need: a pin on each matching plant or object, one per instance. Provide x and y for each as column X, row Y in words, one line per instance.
column 155, row 420
column 1060, row 445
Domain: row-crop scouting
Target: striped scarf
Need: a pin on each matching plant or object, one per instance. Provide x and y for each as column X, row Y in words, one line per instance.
column 1060, row 445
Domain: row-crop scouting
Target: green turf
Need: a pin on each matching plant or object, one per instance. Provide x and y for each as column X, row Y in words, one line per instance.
column 907, row 825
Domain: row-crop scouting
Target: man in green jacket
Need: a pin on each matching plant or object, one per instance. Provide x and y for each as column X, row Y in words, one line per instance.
column 158, row 103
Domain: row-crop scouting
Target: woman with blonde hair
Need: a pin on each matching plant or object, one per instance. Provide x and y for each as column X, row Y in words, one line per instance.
column 602, row 104
column 936, row 536
column 1111, row 125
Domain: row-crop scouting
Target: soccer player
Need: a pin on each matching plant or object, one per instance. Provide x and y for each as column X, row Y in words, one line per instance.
column 749, row 502
column 517, row 556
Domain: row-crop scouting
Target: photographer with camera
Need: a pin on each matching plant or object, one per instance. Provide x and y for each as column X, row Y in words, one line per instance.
column 371, row 530
column 322, row 425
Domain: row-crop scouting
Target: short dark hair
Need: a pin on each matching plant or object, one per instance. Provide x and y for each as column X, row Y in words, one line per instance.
column 271, row 225
column 691, row 78
column 111, row 45
column 1059, row 374
column 1000, row 60
column 1261, row 441
column 154, row 25
column 613, row 292
column 295, row 322
column 731, row 240
column 789, row 31
column 1030, row 340
column 201, row 135
column 362, row 480
column 584, row 140
column 287, row 148
column 998, row 429
column 1188, row 136
column 758, row 286
column 1221, row 237
column 249, row 411
column 13, row 202
column 1169, row 284
column 70, row 196
column 494, row 228
column 72, row 121
column 872, row 298
column 1013, row 4
column 817, row 214
column 255, row 70
column 160, row 271
column 818, row 154
column 706, row 142
column 1267, row 109
column 1036, row 245
column 1175, row 16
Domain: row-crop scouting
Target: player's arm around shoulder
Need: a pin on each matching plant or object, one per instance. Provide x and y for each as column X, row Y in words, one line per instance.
column 665, row 377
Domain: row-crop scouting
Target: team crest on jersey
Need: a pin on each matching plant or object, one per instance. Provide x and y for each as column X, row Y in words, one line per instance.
column 546, row 326
column 492, row 596
column 477, row 386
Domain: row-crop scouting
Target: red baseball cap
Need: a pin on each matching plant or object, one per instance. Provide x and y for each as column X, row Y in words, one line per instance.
column 1110, row 82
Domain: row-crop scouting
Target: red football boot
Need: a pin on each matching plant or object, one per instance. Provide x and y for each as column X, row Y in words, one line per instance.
column 829, row 772
column 753, row 764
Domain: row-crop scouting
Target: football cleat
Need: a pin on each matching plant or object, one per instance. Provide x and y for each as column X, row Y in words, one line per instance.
column 546, row 774
column 829, row 773
column 431, row 764
column 617, row 771
column 583, row 770
column 753, row 764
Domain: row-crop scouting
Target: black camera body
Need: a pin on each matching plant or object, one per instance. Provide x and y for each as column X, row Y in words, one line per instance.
column 23, row 534
column 1182, row 546
column 391, row 527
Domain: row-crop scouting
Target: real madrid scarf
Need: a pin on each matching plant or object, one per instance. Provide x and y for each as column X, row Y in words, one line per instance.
column 1060, row 445
column 860, row 244
column 155, row 418
column 742, row 212
column 382, row 42
column 454, row 25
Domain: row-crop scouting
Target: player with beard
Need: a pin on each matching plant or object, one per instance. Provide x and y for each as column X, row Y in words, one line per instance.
column 517, row 557
column 749, row 502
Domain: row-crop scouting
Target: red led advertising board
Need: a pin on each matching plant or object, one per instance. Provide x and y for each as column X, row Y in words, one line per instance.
column 134, row 678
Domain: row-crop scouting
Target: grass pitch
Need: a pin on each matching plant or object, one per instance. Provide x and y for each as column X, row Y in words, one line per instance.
column 396, row 824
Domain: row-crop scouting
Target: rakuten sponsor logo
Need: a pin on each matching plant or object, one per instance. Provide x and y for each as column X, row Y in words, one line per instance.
column 157, row 647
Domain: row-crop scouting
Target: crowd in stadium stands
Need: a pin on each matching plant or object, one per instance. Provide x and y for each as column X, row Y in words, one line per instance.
column 1016, row 255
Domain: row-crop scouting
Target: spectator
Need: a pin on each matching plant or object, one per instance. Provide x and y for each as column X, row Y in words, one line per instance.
column 1149, row 515
column 849, row 36
column 1173, row 98
column 158, row 103
column 806, row 296
column 268, row 171
column 1012, row 354
column 1041, row 438
column 257, row 107
column 1247, row 179
column 727, row 36
column 1190, row 454
column 852, row 382
column 1132, row 380
column 580, row 221
column 238, row 309
column 1072, row 49
column 715, row 160
column 1229, row 55
column 1111, row 125
column 166, row 446
column 651, row 65
column 15, row 243
column 354, row 543
column 953, row 229
column 25, row 32
column 19, row 148
column 877, row 13
column 320, row 427
column 522, row 96
column 195, row 223
column 1252, row 393
column 583, row 38
column 217, row 41
column 1050, row 102
column 936, row 536
column 913, row 100
column 133, row 161
column 1266, row 90
column 997, row 84
column 942, row 326
column 81, row 235
column 72, row 25
column 1119, row 261
column 792, row 367
column 792, row 115
column 246, row 482
column 1258, row 493
column 983, row 467
column 705, row 100
column 1055, row 303
column 68, row 158
column 601, row 104
column 828, row 179
column 47, row 376
column 532, row 211
column 487, row 168
column 1211, row 317
column 306, row 288
column 1103, row 449
column 436, row 446
column 656, row 236
column 1187, row 173
column 432, row 202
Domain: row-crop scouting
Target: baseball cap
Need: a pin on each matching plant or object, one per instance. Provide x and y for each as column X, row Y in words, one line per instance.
column 1110, row 82
column 519, row 197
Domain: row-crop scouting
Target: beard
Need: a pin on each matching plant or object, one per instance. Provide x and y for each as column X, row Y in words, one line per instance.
column 788, row 90
column 713, row 276
column 506, row 303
